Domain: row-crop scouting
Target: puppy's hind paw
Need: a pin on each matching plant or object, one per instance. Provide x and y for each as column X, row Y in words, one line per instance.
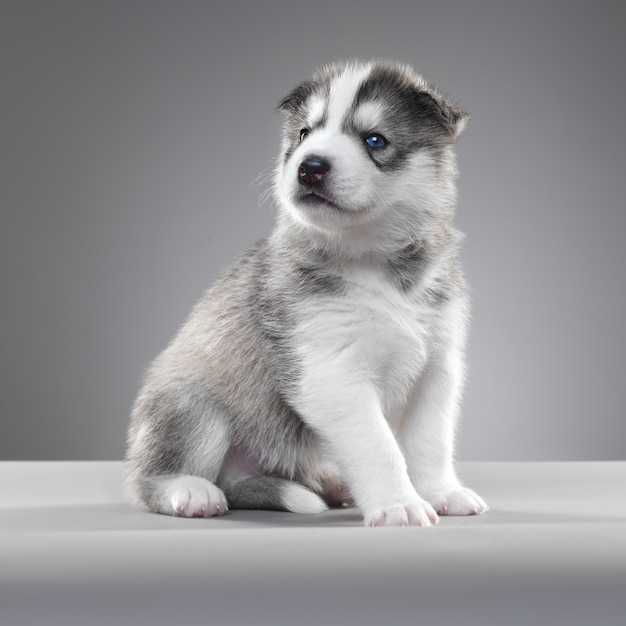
column 192, row 496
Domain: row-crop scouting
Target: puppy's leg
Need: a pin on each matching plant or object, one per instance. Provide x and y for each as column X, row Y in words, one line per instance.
column 427, row 438
column 349, row 419
column 177, row 444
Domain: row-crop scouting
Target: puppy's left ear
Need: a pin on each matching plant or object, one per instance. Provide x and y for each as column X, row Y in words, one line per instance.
column 295, row 98
column 448, row 115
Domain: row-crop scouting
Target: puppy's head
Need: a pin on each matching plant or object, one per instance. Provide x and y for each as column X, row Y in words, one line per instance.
column 366, row 146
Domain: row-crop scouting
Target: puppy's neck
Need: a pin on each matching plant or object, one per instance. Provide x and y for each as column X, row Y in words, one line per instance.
column 365, row 244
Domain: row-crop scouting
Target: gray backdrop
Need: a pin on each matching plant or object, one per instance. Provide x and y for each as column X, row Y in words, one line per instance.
column 131, row 137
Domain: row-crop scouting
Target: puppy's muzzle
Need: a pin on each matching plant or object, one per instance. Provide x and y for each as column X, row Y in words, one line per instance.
column 313, row 169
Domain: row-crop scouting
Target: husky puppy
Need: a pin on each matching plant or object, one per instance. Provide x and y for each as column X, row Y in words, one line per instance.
column 327, row 364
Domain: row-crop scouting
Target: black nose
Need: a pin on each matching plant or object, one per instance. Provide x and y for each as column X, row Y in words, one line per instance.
column 313, row 169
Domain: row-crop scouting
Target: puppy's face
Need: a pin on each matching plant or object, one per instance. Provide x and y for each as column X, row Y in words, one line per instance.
column 365, row 144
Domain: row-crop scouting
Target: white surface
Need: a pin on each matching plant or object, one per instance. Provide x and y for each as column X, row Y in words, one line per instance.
column 551, row 551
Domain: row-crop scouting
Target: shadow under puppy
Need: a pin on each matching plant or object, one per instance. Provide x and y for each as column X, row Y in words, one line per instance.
column 327, row 364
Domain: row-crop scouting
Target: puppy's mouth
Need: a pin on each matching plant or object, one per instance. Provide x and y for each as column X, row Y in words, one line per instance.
column 317, row 200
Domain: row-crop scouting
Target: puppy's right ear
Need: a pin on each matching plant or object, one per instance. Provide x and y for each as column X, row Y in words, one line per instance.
column 296, row 97
column 449, row 116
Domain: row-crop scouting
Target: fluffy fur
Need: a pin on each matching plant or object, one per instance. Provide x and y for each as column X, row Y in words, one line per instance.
column 327, row 364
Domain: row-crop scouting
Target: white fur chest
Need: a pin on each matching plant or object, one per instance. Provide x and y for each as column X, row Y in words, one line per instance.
column 372, row 332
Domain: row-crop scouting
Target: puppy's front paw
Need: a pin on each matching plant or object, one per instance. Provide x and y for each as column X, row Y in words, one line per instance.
column 458, row 501
column 192, row 496
column 415, row 513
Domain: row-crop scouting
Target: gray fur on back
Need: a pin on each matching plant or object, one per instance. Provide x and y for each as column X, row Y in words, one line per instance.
column 232, row 363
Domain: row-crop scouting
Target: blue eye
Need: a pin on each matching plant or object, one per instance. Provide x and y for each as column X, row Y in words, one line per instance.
column 376, row 141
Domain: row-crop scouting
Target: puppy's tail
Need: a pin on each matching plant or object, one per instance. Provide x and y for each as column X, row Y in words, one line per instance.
column 277, row 494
